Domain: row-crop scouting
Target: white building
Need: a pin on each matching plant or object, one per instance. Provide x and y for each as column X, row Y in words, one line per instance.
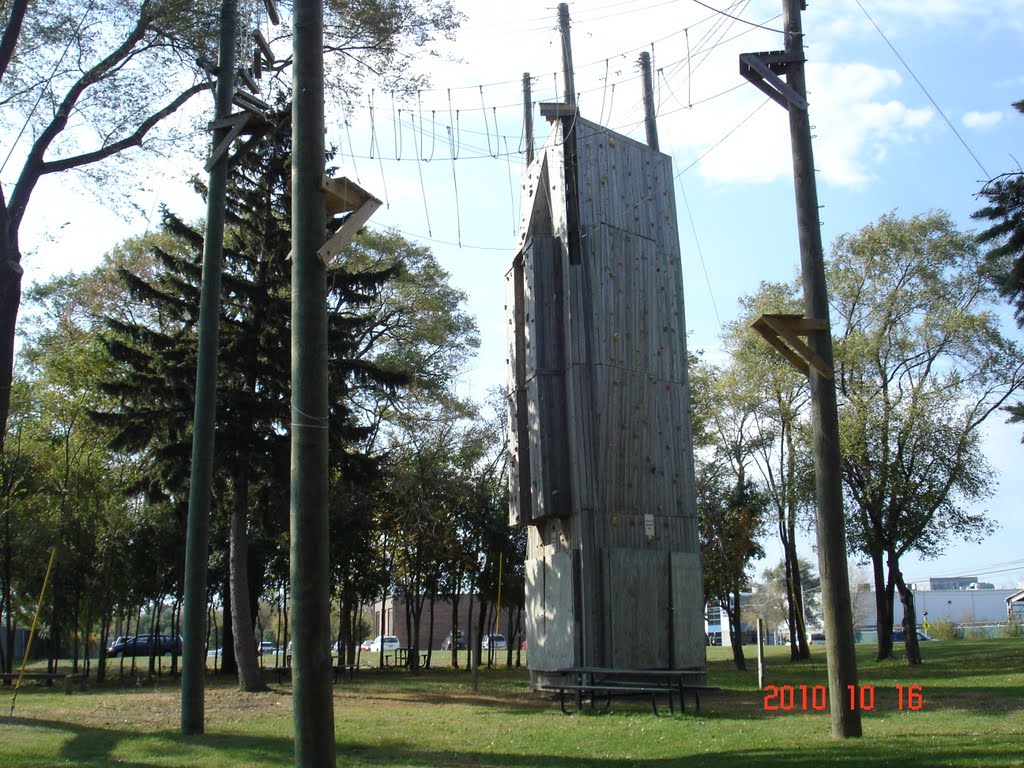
column 961, row 606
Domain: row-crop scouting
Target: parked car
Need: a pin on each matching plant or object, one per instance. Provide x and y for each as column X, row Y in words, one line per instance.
column 494, row 642
column 267, row 647
column 816, row 638
column 460, row 641
column 387, row 643
column 897, row 636
column 146, row 645
column 365, row 645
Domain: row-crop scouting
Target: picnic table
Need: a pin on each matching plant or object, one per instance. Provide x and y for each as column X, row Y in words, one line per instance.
column 608, row 681
column 401, row 656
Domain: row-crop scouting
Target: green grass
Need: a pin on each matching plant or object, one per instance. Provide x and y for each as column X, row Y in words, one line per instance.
column 973, row 715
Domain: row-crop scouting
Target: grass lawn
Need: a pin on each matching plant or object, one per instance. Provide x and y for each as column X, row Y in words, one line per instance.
column 971, row 714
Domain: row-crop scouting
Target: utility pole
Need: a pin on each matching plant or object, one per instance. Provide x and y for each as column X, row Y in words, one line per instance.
column 815, row 358
column 528, row 117
column 650, row 120
column 312, row 695
column 563, row 28
column 193, row 660
column 832, row 565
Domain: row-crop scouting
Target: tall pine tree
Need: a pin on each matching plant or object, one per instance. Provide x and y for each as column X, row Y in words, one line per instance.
column 1005, row 237
column 157, row 352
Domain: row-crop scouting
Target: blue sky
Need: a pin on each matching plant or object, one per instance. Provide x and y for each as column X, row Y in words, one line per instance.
column 880, row 145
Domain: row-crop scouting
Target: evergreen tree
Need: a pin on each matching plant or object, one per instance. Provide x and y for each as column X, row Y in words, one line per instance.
column 157, row 352
column 1005, row 236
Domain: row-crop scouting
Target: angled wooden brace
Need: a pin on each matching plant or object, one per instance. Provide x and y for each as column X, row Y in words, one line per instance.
column 264, row 46
column 236, row 123
column 763, row 70
column 783, row 332
column 345, row 196
column 272, row 14
column 245, row 77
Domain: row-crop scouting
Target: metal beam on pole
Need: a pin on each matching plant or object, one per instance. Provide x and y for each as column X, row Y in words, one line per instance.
column 312, row 695
column 193, row 660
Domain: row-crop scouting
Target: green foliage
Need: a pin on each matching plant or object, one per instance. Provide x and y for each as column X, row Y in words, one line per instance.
column 1013, row 628
column 945, row 629
column 921, row 363
column 1004, row 236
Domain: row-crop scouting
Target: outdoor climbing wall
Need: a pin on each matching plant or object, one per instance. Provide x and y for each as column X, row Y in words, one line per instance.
column 601, row 448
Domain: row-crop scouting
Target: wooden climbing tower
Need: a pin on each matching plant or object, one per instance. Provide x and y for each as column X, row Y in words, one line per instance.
column 599, row 405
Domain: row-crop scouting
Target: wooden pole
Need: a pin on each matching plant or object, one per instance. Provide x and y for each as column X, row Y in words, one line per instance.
column 835, row 586
column 563, row 26
column 313, row 701
column 528, row 117
column 197, row 536
column 760, row 653
column 650, row 121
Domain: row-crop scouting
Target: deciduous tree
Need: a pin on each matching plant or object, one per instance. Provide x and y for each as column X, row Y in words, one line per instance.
column 920, row 365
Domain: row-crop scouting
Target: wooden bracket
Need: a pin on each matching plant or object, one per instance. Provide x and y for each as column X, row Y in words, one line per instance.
column 784, row 331
column 245, row 77
column 264, row 46
column 763, row 70
column 237, row 123
column 345, row 196
column 273, row 15
column 251, row 103
column 553, row 110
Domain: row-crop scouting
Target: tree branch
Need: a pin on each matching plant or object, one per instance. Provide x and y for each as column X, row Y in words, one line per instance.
column 32, row 169
column 134, row 140
column 11, row 34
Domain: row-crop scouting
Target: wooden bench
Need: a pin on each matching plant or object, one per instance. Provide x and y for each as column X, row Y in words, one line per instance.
column 696, row 690
column 350, row 668
column 610, row 688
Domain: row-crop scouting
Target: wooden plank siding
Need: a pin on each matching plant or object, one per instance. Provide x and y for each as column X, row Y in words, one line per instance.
column 600, row 393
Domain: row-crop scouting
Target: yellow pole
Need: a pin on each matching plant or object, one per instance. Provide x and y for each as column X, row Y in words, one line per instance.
column 32, row 632
column 497, row 610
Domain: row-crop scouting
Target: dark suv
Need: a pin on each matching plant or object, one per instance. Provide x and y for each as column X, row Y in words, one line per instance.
column 146, row 645
column 460, row 641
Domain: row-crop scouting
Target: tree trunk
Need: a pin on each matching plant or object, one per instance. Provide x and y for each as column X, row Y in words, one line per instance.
column 229, row 664
column 10, row 300
column 883, row 608
column 797, row 597
column 909, row 611
column 154, row 630
column 5, row 603
column 344, row 626
column 430, row 629
column 736, row 631
column 249, row 677
column 456, row 599
column 478, row 638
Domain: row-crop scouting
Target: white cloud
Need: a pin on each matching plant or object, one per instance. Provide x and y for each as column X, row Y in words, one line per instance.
column 982, row 119
column 855, row 125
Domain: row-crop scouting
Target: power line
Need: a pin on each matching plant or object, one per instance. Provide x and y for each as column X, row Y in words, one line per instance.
column 923, row 89
column 737, row 18
column 700, row 254
column 722, row 140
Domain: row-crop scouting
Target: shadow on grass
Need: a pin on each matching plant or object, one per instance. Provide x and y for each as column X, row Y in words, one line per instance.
column 87, row 745
column 853, row 754
column 97, row 746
